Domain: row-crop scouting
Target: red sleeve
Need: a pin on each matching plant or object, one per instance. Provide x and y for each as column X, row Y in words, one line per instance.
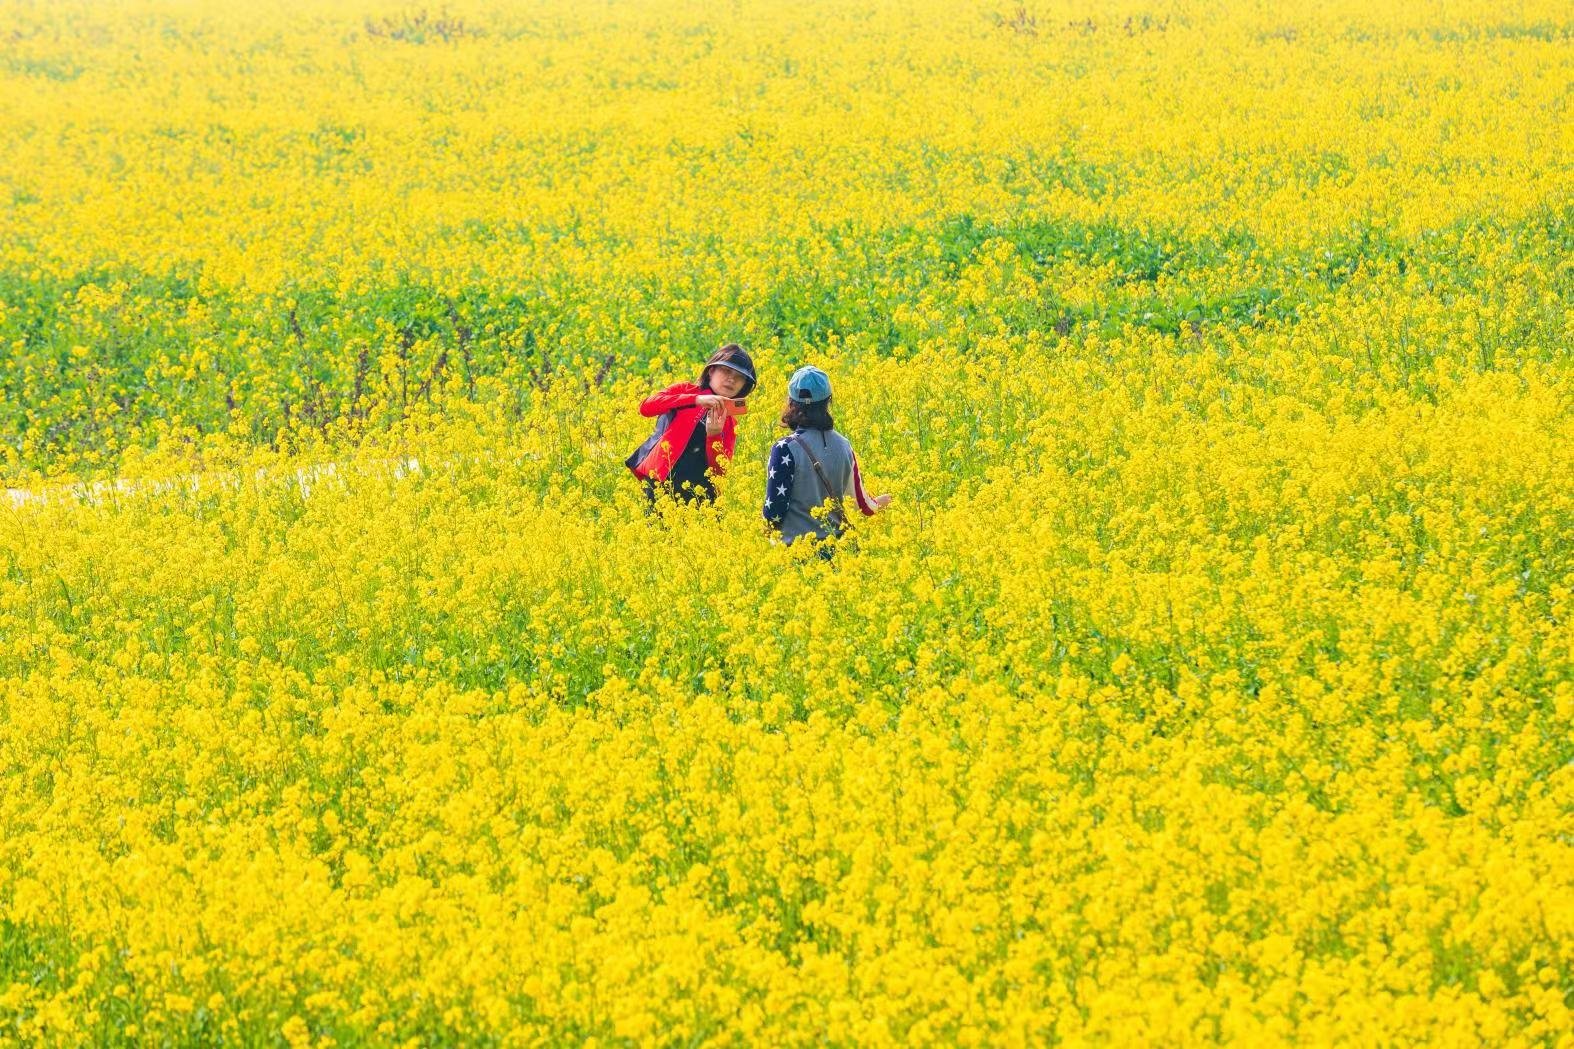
column 680, row 395
column 865, row 503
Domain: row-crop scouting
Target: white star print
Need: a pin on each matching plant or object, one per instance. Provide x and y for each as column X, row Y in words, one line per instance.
column 781, row 490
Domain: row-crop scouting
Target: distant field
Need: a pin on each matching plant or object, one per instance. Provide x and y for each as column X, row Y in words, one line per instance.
column 1210, row 679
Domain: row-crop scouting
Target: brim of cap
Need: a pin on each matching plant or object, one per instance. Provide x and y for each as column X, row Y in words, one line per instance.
column 734, row 368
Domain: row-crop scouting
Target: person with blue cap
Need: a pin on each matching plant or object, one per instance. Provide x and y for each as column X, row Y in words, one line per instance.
column 813, row 468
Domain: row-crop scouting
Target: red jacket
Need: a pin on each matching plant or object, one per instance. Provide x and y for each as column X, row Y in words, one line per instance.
column 679, row 399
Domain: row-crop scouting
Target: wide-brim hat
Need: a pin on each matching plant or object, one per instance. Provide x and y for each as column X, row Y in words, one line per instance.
column 734, row 358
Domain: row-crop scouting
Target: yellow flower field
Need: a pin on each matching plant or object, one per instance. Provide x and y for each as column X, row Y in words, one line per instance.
column 1210, row 679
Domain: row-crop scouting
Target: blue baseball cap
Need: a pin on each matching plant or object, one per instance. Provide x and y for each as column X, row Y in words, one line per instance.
column 809, row 385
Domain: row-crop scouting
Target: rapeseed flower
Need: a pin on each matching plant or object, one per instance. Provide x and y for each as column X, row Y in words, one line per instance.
column 1209, row 680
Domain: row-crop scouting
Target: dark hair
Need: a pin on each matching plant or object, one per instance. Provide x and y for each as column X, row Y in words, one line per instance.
column 816, row 416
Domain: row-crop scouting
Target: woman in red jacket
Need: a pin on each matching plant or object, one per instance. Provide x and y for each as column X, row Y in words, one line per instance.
column 695, row 428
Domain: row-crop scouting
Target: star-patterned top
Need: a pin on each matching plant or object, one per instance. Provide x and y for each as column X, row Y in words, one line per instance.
column 778, row 480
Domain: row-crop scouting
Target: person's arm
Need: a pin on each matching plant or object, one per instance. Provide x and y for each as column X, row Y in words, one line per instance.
column 778, row 482
column 683, row 395
column 869, row 505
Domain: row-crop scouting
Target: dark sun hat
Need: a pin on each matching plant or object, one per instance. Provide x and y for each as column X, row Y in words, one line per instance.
column 734, row 358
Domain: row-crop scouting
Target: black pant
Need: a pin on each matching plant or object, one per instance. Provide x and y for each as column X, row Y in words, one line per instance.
column 702, row 491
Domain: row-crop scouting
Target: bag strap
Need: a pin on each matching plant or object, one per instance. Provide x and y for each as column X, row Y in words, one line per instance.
column 819, row 471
